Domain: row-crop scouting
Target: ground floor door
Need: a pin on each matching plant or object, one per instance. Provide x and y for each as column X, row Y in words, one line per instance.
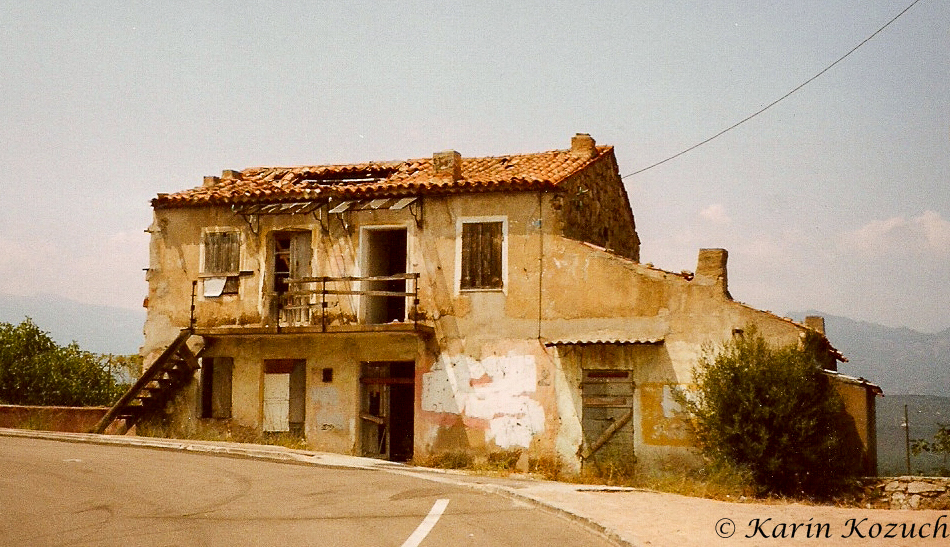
column 285, row 395
column 386, row 413
column 607, row 421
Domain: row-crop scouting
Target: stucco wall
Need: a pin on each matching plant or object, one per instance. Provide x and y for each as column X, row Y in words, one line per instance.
column 861, row 419
column 485, row 381
column 332, row 408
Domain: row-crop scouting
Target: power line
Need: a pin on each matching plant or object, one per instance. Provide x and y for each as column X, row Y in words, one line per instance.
column 780, row 99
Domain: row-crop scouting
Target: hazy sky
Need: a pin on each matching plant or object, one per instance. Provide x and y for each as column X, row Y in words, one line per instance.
column 836, row 199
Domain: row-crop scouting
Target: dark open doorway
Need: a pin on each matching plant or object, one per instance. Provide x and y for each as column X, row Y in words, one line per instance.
column 384, row 255
column 386, row 412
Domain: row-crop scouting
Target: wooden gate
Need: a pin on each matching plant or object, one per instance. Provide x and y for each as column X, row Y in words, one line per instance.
column 607, row 421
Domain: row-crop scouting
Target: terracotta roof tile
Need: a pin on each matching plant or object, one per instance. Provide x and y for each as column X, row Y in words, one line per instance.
column 384, row 179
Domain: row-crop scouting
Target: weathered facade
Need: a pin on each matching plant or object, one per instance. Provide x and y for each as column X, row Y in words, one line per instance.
column 443, row 304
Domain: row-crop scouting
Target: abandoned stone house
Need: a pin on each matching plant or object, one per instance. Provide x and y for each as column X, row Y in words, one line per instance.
column 443, row 304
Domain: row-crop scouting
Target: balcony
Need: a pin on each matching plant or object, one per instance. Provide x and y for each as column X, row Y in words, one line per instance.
column 350, row 304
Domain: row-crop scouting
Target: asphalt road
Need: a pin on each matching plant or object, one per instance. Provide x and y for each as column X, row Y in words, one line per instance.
column 59, row 493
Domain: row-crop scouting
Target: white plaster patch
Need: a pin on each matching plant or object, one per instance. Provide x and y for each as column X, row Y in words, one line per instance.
column 497, row 389
column 671, row 408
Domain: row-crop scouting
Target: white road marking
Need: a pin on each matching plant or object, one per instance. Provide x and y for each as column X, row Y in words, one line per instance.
column 427, row 524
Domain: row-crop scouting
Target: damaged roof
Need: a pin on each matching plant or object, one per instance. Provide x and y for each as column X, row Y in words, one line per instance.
column 544, row 170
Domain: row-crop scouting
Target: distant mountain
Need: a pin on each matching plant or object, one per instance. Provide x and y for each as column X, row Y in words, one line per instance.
column 900, row 360
column 100, row 329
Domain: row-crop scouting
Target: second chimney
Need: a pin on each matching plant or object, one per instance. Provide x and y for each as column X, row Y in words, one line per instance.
column 711, row 268
column 815, row 323
column 447, row 164
column 583, row 145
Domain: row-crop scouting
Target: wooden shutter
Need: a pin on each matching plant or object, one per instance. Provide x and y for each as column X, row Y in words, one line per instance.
column 222, row 252
column 482, row 255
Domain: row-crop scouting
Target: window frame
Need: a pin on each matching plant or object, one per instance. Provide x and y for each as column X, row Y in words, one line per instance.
column 459, row 244
column 232, row 278
column 298, row 254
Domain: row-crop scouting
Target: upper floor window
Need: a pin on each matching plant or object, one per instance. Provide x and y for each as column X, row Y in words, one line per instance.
column 482, row 260
column 221, row 263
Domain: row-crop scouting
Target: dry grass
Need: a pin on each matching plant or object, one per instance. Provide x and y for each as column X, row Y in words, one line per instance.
column 498, row 463
column 710, row 481
column 219, row 430
column 673, row 476
column 38, row 423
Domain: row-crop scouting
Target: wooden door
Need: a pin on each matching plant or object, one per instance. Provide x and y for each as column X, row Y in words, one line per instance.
column 607, row 421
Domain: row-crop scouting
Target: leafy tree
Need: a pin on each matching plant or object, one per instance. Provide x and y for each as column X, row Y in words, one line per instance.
column 34, row 370
column 772, row 413
column 939, row 445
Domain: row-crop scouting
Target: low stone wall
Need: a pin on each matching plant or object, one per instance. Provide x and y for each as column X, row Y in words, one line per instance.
column 908, row 492
column 51, row 418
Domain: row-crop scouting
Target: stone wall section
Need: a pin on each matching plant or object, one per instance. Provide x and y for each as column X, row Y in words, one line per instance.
column 595, row 208
column 908, row 492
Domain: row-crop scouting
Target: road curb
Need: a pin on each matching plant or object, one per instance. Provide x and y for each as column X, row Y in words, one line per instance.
column 443, row 476
column 303, row 457
column 591, row 524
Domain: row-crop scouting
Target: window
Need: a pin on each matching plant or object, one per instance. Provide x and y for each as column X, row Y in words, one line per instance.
column 222, row 262
column 222, row 252
column 482, row 255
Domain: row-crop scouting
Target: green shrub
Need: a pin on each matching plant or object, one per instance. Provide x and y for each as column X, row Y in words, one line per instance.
column 772, row 412
column 34, row 370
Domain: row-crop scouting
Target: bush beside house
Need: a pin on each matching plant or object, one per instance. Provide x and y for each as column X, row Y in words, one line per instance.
column 771, row 412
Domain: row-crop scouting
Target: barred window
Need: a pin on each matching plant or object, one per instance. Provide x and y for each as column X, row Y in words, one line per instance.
column 482, row 266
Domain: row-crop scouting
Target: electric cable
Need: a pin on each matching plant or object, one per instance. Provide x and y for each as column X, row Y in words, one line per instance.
column 780, row 99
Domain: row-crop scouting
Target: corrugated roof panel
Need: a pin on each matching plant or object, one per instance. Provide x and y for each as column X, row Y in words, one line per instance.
column 600, row 339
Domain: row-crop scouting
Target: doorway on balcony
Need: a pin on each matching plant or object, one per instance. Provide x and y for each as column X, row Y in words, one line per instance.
column 290, row 259
column 384, row 254
column 386, row 409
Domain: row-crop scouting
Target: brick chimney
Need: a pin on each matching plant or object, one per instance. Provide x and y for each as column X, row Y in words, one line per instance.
column 211, row 181
column 447, row 164
column 231, row 174
column 583, row 146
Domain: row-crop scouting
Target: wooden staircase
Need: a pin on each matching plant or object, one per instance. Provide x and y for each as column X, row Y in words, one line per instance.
column 158, row 385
